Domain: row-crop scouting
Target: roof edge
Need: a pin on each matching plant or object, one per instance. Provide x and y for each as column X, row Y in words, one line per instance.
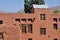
column 40, row 6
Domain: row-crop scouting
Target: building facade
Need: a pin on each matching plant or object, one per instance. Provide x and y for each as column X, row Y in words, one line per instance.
column 40, row 25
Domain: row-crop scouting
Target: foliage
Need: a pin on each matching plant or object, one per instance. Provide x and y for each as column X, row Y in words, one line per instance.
column 29, row 5
column 56, row 11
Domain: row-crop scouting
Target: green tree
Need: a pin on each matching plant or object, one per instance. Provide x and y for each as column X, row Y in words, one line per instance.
column 29, row 5
column 56, row 11
column 26, row 6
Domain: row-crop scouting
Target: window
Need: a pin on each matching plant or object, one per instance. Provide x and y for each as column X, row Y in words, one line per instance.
column 1, row 36
column 17, row 20
column 55, row 26
column 29, row 38
column 42, row 17
column 30, row 20
column 55, row 39
column 23, row 20
column 23, row 28
column 29, row 28
column 59, row 39
column 43, row 31
column 1, row 22
column 59, row 19
column 55, row 19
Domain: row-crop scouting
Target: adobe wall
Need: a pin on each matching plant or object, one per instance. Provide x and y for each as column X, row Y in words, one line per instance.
column 13, row 31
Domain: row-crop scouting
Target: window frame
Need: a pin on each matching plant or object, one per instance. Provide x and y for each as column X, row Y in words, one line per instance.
column 55, row 26
column 43, row 31
column 24, row 28
column 23, row 19
column 29, row 38
column 17, row 19
column 55, row 38
column 55, row 19
column 30, row 29
column 42, row 16
column 1, row 21
column 2, row 35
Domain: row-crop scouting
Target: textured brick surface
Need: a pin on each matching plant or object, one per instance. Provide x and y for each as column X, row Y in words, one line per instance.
column 12, row 29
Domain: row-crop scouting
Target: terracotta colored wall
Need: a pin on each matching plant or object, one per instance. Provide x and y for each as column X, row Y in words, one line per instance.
column 12, row 29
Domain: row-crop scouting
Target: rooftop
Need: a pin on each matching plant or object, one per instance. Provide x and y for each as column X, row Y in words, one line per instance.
column 40, row 6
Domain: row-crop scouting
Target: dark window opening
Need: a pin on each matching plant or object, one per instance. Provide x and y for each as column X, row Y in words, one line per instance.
column 29, row 28
column 59, row 19
column 23, row 20
column 29, row 38
column 1, row 36
column 17, row 20
column 42, row 17
column 55, row 19
column 33, row 19
column 23, row 28
column 43, row 31
column 55, row 26
column 1, row 22
column 55, row 39
column 30, row 20
column 59, row 39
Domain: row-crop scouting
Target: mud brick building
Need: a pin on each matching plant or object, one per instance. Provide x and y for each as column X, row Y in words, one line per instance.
column 40, row 25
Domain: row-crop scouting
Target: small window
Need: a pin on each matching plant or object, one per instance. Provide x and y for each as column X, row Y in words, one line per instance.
column 55, row 39
column 23, row 20
column 1, row 22
column 29, row 38
column 24, row 30
column 29, row 28
column 59, row 19
column 55, row 26
column 55, row 19
column 42, row 17
column 17, row 20
column 59, row 39
column 30, row 20
column 1, row 36
column 43, row 31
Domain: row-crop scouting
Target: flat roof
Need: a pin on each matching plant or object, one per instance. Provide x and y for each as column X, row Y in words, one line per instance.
column 40, row 6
